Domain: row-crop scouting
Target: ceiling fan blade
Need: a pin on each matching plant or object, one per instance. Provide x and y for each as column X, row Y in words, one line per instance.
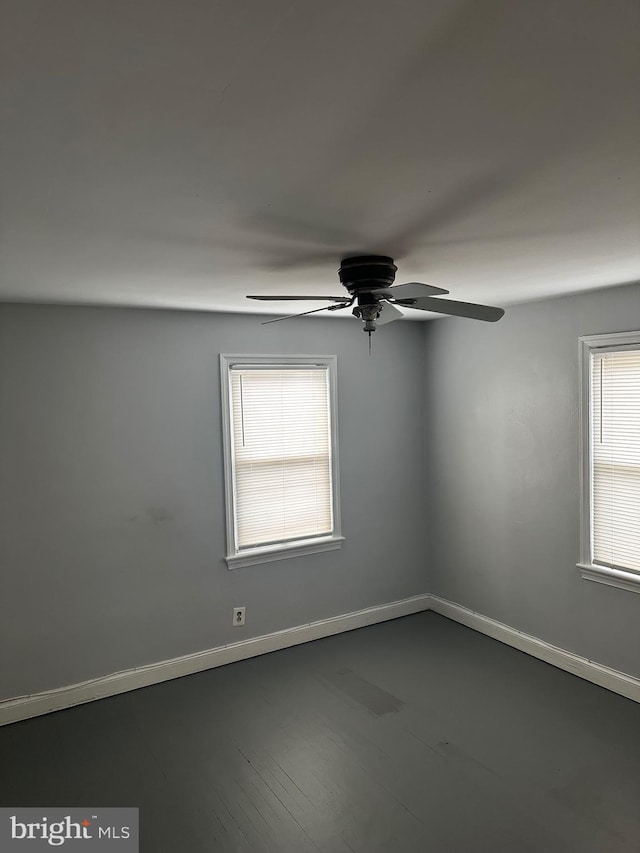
column 412, row 290
column 458, row 309
column 388, row 313
column 300, row 298
column 303, row 313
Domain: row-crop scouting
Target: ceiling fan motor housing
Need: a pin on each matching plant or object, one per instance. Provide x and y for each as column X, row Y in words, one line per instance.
column 367, row 272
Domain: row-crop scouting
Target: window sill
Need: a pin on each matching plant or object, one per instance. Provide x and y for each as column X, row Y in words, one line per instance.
column 610, row 577
column 283, row 552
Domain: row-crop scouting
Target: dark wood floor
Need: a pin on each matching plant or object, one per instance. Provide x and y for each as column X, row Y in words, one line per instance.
column 413, row 735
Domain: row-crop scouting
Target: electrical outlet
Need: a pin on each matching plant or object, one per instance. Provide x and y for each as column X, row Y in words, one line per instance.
column 238, row 615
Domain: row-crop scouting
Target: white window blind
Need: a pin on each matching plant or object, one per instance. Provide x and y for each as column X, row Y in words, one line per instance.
column 615, row 458
column 281, row 454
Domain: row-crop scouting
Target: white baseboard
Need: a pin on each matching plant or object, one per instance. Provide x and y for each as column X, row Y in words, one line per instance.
column 604, row 676
column 24, row 707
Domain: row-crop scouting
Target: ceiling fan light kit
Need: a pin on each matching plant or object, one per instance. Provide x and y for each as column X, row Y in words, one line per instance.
column 369, row 282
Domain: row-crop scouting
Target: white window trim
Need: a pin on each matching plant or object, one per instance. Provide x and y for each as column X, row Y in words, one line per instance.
column 589, row 570
column 271, row 553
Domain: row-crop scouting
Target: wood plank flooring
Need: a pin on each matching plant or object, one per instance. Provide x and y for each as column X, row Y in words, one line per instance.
column 413, row 735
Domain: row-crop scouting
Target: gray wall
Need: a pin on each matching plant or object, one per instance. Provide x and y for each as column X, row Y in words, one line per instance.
column 111, row 487
column 502, row 426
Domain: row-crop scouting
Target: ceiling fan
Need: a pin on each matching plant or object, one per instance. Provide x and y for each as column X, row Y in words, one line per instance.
column 368, row 280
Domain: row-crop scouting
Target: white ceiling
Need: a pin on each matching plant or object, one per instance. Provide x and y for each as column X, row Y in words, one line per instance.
column 171, row 153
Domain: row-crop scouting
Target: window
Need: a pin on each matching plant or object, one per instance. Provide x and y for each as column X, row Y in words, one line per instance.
column 281, row 460
column 610, row 549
